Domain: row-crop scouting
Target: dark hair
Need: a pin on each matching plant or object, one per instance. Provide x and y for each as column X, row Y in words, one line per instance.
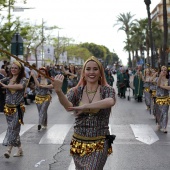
column 34, row 65
column 73, row 70
column 44, row 69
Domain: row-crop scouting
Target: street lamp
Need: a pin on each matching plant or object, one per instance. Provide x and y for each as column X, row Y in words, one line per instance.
column 148, row 2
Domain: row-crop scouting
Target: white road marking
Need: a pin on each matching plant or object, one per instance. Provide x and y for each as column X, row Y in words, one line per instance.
column 2, row 136
column 144, row 133
column 56, row 134
column 39, row 163
column 72, row 166
column 24, row 128
column 110, row 128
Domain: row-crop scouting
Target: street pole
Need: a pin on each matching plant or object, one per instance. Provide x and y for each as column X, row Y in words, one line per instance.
column 42, row 42
column 165, row 39
column 148, row 2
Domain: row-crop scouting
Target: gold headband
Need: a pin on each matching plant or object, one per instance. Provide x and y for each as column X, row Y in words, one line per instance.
column 92, row 58
column 164, row 67
column 17, row 63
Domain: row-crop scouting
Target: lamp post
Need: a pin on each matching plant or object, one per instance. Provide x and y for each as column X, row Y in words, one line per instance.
column 148, row 2
column 43, row 40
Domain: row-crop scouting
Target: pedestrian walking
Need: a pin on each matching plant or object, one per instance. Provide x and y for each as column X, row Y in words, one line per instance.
column 43, row 96
column 109, row 77
column 122, row 82
column 14, row 107
column 91, row 101
column 138, row 85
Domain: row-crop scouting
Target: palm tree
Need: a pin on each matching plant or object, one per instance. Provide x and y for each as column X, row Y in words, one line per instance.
column 140, row 40
column 140, row 37
column 126, row 22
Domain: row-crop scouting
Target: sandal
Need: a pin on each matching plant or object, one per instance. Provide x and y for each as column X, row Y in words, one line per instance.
column 159, row 127
column 44, row 127
column 39, row 127
column 165, row 131
column 19, row 153
column 7, row 154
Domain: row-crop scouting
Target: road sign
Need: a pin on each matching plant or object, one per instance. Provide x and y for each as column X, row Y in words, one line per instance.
column 18, row 10
column 17, row 45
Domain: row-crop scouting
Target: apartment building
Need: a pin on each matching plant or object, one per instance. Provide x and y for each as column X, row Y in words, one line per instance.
column 157, row 13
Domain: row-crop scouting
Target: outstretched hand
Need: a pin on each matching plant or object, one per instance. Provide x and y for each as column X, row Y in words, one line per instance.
column 77, row 109
column 58, row 82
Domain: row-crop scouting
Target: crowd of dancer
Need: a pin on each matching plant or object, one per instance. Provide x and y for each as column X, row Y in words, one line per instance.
column 88, row 92
column 151, row 84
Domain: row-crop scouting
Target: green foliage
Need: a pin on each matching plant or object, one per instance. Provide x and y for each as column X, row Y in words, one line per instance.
column 101, row 52
column 96, row 50
column 78, row 51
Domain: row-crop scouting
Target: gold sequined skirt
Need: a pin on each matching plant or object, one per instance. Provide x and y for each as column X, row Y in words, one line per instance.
column 86, row 145
column 165, row 100
column 146, row 89
column 11, row 109
column 40, row 99
column 153, row 93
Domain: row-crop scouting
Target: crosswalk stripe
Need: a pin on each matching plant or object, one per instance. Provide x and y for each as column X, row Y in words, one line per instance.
column 72, row 165
column 125, row 134
column 110, row 128
column 24, row 128
column 56, row 134
column 2, row 136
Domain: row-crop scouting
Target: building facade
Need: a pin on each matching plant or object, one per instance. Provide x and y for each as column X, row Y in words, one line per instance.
column 157, row 13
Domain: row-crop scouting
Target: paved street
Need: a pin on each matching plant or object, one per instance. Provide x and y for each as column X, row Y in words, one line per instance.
column 138, row 144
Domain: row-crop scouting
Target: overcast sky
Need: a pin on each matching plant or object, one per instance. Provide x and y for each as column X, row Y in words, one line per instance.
column 87, row 20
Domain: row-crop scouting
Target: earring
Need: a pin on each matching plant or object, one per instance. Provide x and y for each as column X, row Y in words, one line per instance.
column 84, row 78
column 100, row 78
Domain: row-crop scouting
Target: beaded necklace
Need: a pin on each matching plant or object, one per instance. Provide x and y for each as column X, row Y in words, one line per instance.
column 92, row 92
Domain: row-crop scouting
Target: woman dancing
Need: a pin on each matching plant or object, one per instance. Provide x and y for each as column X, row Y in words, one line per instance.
column 91, row 100
column 43, row 97
column 14, row 109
